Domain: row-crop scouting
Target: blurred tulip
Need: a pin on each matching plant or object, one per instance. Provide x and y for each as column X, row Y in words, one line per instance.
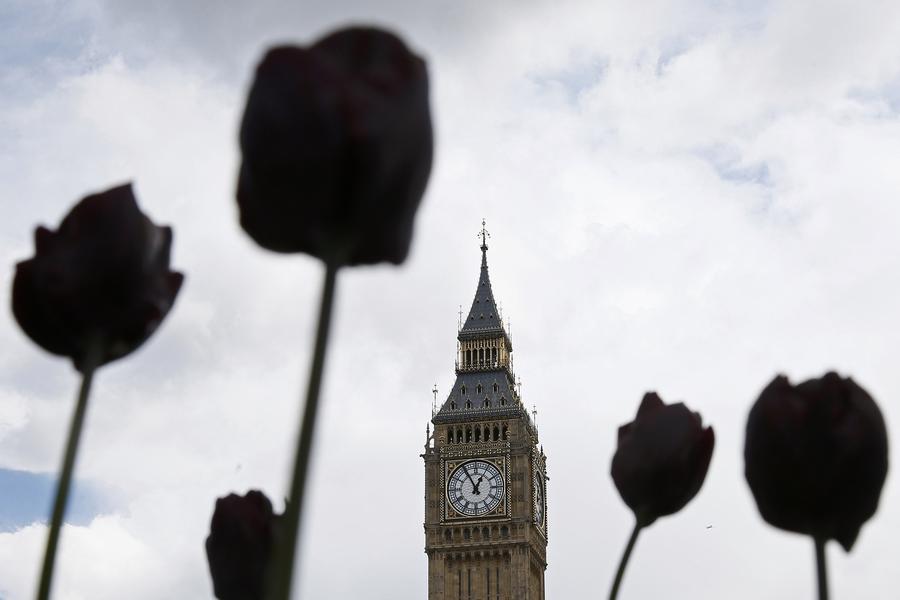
column 95, row 290
column 102, row 279
column 661, row 459
column 816, row 457
column 239, row 546
column 337, row 148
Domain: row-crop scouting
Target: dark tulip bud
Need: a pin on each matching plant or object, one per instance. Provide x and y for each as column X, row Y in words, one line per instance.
column 101, row 280
column 337, row 148
column 239, row 546
column 816, row 457
column 661, row 459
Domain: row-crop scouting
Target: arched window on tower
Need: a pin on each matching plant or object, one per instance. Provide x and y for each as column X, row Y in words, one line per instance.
column 478, row 389
column 496, row 388
column 505, row 432
column 468, row 404
column 496, row 433
column 452, row 405
column 478, row 434
column 494, row 355
column 487, row 403
column 468, row 434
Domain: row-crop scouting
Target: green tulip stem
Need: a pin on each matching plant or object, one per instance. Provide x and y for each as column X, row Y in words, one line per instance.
column 614, row 592
column 287, row 546
column 821, row 571
column 68, row 468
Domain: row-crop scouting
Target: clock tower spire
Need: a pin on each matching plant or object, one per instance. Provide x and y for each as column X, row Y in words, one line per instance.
column 485, row 473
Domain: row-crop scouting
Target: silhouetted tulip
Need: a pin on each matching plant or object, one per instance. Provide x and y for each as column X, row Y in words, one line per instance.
column 102, row 278
column 816, row 456
column 661, row 459
column 337, row 148
column 239, row 546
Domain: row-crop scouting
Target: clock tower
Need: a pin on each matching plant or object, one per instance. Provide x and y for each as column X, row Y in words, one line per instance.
column 485, row 471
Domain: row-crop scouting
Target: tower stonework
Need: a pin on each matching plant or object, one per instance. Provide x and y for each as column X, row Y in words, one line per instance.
column 485, row 472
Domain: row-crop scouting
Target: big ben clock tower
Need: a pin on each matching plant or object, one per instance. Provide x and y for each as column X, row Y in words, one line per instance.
column 485, row 472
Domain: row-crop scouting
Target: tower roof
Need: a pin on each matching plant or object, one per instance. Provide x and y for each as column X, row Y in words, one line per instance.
column 484, row 317
column 476, row 395
column 484, row 386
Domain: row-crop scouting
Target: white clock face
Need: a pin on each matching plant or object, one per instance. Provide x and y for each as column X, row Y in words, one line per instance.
column 475, row 488
column 539, row 500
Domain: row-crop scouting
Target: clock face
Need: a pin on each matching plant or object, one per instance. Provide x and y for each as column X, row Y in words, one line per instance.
column 475, row 488
column 540, row 502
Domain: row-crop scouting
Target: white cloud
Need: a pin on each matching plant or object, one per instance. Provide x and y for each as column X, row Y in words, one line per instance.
column 13, row 413
column 108, row 559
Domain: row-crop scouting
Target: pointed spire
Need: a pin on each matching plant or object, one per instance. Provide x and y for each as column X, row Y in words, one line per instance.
column 484, row 315
column 434, row 391
column 485, row 383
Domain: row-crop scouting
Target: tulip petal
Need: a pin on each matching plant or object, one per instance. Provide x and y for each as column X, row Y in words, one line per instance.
column 650, row 402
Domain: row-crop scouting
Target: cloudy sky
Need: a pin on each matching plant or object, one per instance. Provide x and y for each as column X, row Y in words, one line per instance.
column 688, row 197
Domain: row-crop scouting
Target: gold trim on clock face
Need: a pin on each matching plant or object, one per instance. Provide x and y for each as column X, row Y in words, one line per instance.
column 476, row 488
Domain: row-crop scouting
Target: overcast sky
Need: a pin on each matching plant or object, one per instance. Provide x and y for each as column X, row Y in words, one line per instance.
column 686, row 197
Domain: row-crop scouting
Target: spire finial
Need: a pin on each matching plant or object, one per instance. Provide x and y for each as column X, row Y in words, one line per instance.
column 484, row 236
column 434, row 391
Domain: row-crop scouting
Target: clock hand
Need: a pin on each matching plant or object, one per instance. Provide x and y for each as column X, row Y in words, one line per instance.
column 466, row 469
column 477, row 484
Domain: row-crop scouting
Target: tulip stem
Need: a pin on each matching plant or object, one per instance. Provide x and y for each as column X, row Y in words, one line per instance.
column 614, row 592
column 821, row 571
column 287, row 545
column 68, row 468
